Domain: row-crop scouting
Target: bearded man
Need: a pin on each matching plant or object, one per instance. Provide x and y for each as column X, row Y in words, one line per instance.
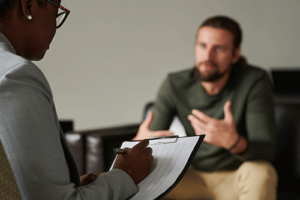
column 231, row 103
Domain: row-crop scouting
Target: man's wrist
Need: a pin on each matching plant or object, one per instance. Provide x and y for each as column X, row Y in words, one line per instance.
column 235, row 144
column 241, row 147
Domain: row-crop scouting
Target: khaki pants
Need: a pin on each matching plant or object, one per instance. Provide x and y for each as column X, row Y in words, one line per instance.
column 255, row 180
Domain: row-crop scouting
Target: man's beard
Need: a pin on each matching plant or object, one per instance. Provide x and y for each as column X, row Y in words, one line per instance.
column 211, row 76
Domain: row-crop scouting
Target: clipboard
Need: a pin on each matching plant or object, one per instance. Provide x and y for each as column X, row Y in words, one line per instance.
column 171, row 164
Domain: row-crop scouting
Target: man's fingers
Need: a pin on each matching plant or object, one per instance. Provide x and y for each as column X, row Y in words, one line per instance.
column 201, row 116
column 198, row 130
column 144, row 130
column 147, row 122
column 227, row 111
column 207, row 139
column 161, row 133
column 196, row 122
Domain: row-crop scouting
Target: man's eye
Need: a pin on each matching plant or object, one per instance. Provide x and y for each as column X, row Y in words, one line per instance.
column 219, row 48
column 201, row 45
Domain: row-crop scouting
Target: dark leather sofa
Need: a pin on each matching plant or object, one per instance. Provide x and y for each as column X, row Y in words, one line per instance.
column 287, row 157
column 93, row 149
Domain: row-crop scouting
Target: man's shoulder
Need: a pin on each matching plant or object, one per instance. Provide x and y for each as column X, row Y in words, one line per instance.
column 253, row 69
column 178, row 80
column 252, row 72
column 182, row 75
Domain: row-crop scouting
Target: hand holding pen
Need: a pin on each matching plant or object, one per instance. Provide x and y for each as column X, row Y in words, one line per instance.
column 120, row 151
column 136, row 162
column 153, row 140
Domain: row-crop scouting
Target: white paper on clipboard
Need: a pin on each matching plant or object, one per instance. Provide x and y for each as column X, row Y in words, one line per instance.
column 170, row 160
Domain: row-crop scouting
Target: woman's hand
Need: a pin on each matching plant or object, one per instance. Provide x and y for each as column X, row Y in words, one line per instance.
column 88, row 178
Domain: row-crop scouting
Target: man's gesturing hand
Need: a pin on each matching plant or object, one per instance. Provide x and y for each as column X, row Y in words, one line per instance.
column 144, row 131
column 136, row 161
column 222, row 133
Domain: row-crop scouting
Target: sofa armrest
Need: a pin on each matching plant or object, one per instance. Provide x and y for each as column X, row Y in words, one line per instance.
column 99, row 148
column 77, row 146
column 93, row 149
column 287, row 160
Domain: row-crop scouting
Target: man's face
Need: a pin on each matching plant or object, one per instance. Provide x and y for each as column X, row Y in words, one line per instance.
column 214, row 53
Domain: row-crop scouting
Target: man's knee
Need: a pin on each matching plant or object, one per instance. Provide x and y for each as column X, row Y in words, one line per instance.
column 260, row 172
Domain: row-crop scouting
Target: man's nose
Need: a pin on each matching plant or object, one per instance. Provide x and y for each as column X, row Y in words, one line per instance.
column 208, row 53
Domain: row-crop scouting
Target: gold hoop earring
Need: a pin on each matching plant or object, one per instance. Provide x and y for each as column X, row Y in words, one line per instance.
column 29, row 17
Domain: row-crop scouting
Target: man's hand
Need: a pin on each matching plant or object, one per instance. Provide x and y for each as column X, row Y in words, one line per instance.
column 144, row 131
column 136, row 161
column 222, row 133
column 88, row 178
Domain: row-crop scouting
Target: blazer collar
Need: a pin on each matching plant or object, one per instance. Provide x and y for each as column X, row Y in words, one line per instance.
column 5, row 44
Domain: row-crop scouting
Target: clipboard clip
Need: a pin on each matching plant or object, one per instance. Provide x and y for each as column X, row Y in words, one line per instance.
column 163, row 140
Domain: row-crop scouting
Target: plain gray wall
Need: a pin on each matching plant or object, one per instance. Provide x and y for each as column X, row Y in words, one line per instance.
column 110, row 57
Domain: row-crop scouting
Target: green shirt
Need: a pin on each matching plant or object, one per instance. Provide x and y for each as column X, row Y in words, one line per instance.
column 250, row 91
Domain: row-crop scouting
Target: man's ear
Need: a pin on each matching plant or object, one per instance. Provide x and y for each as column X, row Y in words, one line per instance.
column 26, row 6
column 236, row 55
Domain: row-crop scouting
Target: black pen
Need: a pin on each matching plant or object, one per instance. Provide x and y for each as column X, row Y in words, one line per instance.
column 120, row 151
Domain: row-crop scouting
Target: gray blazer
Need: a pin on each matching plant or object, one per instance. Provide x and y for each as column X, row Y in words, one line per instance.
column 40, row 158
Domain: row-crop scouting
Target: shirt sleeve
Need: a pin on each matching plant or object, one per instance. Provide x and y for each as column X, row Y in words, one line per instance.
column 164, row 107
column 30, row 135
column 260, row 121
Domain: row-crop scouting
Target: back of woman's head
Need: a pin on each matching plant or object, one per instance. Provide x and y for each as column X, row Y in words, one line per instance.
column 5, row 7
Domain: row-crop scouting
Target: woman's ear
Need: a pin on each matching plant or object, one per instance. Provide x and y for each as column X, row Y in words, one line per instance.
column 26, row 6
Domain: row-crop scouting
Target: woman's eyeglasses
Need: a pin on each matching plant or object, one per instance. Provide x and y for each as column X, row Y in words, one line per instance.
column 61, row 15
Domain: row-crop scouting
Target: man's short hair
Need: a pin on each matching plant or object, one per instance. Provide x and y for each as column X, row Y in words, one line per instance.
column 226, row 23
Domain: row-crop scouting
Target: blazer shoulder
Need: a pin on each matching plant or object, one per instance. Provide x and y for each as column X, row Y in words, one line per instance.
column 16, row 71
column 15, row 66
column 11, row 62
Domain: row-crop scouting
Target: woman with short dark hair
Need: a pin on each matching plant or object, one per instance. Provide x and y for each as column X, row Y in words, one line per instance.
column 42, row 163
